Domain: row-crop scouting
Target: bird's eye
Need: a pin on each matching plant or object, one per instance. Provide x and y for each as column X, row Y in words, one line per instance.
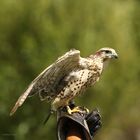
column 107, row 51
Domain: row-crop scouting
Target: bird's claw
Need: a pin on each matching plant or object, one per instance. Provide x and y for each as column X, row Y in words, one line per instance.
column 86, row 109
column 77, row 109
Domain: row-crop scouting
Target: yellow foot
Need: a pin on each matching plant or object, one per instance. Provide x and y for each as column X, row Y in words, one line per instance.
column 77, row 109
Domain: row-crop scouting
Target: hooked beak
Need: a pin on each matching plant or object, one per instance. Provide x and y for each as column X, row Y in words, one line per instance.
column 115, row 55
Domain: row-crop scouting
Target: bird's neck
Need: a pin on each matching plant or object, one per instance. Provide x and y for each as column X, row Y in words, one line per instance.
column 96, row 58
column 98, row 61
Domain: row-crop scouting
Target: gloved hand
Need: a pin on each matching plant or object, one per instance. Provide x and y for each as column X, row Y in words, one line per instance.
column 82, row 125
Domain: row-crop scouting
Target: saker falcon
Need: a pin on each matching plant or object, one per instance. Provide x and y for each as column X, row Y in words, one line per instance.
column 66, row 78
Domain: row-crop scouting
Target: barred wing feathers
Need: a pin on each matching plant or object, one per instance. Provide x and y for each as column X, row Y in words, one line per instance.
column 44, row 84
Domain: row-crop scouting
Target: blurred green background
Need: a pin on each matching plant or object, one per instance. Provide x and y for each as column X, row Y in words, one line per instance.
column 34, row 33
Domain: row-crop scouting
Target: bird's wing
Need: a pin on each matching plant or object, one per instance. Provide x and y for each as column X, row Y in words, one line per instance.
column 44, row 84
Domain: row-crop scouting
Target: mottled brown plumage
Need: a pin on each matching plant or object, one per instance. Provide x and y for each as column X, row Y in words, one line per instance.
column 67, row 77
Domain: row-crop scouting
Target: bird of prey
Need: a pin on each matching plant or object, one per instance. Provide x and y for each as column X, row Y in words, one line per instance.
column 66, row 78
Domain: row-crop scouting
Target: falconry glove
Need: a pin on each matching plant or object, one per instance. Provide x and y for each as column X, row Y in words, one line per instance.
column 85, row 123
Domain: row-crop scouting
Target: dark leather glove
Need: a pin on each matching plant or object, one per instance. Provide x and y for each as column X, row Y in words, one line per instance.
column 85, row 124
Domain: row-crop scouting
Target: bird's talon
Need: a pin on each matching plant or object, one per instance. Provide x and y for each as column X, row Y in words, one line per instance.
column 69, row 110
column 77, row 109
column 87, row 110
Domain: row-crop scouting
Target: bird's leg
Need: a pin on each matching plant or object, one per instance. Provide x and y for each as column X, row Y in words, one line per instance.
column 72, row 104
column 77, row 109
column 69, row 110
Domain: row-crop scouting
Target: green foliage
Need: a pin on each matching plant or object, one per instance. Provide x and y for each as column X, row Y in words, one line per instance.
column 34, row 33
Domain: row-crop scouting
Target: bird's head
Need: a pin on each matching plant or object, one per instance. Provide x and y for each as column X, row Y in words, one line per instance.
column 106, row 54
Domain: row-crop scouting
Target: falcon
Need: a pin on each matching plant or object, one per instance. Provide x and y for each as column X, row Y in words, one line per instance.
column 66, row 78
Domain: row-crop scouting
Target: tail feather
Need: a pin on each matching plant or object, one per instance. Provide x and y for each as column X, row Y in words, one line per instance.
column 14, row 109
column 21, row 100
